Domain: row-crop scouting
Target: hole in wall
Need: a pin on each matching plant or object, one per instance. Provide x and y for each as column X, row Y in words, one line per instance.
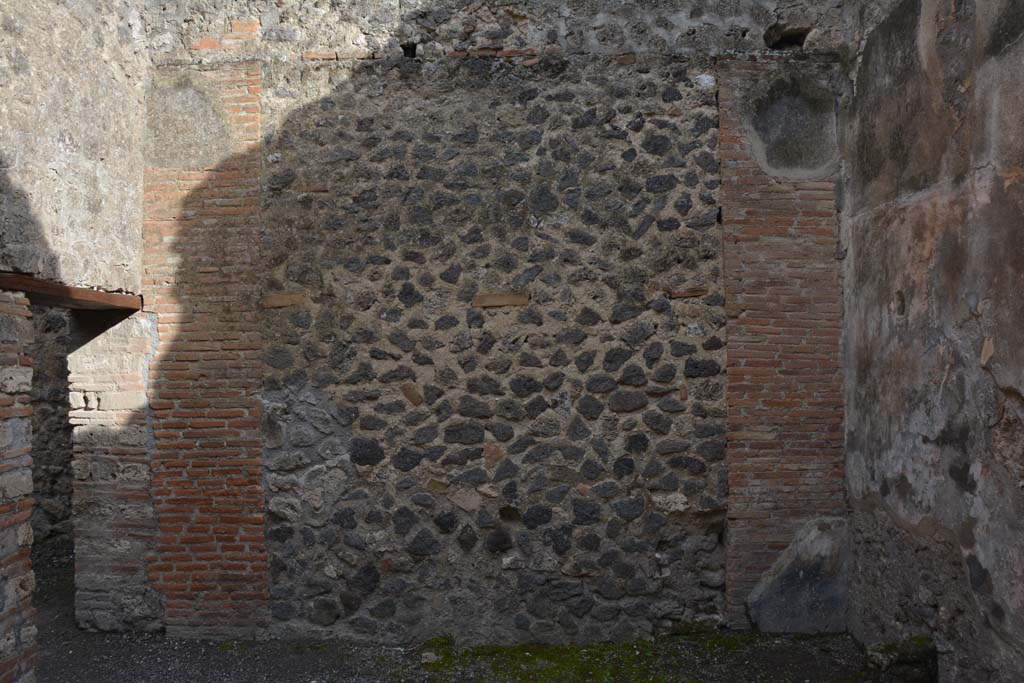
column 783, row 37
column 901, row 303
column 409, row 50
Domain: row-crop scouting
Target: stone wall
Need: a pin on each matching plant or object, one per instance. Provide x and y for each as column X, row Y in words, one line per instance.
column 113, row 513
column 464, row 262
column 934, row 345
column 380, row 28
column 494, row 400
column 51, row 428
column 18, row 648
column 492, row 331
column 70, row 134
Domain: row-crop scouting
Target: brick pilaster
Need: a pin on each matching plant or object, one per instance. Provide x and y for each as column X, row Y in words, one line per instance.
column 784, row 390
column 201, row 279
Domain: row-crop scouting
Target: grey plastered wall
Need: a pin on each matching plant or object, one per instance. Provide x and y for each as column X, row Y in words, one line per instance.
column 934, row 346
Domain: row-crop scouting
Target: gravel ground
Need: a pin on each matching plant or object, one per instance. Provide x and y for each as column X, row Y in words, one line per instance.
column 73, row 656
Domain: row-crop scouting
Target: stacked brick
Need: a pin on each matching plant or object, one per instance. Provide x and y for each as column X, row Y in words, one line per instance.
column 201, row 228
column 17, row 630
column 785, row 455
column 114, row 523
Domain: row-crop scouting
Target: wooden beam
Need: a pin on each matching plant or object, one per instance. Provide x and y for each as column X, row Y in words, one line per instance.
column 46, row 293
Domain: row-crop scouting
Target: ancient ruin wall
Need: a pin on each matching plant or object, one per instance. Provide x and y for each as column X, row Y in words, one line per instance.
column 490, row 331
column 493, row 396
column 70, row 142
column 934, row 343
column 379, row 28
column 51, row 427
column 18, row 648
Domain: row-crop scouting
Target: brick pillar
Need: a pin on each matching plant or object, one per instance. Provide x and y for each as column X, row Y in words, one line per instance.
column 201, row 279
column 112, row 509
column 17, row 629
column 785, row 420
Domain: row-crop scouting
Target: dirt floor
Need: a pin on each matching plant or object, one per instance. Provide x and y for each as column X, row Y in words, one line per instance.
column 73, row 656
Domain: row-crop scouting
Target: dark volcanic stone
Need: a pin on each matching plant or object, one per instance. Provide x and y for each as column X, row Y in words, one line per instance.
column 471, row 407
column 524, row 386
column 506, row 470
column 467, row 538
column 680, row 349
column 366, row 451
column 664, row 373
column 712, row 451
column 629, row 508
column 623, row 401
column 623, row 467
column 537, row 515
column 637, row 444
column 406, row 459
column 585, row 512
column 622, row 312
column 446, row 521
column 365, row 580
column 616, row 358
column 585, row 360
column 588, row 317
column 657, row 422
column 688, row 463
column 404, row 520
column 633, row 376
column 661, row 183
column 451, row 274
column 703, row 367
column 323, row 612
column 498, row 540
column 601, row 384
column 589, row 407
column 464, row 432
column 424, row 544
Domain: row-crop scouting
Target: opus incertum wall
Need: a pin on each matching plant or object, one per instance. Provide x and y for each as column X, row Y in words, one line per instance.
column 469, row 343
column 478, row 307
column 441, row 347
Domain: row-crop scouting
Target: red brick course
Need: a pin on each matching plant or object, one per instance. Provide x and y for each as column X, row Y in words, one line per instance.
column 784, row 393
column 201, row 268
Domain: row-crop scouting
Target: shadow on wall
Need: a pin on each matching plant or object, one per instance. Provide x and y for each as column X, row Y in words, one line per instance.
column 39, row 457
column 419, row 370
column 24, row 247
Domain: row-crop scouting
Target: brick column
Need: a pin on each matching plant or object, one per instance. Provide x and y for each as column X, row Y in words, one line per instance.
column 201, row 279
column 17, row 629
column 785, row 453
column 112, row 510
